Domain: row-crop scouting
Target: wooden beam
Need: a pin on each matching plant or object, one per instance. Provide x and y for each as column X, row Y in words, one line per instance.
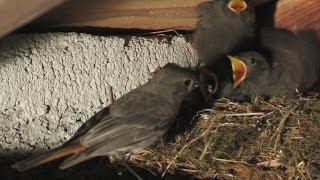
column 15, row 13
column 164, row 14
column 124, row 14
column 138, row 14
column 298, row 14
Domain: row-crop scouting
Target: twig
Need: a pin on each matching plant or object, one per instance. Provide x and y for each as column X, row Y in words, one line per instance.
column 272, row 105
column 277, row 134
column 190, row 170
column 203, row 114
column 269, row 113
column 161, row 31
column 184, row 147
column 205, row 149
column 132, row 171
column 245, row 114
column 231, row 161
column 111, row 94
column 205, row 132
column 141, row 166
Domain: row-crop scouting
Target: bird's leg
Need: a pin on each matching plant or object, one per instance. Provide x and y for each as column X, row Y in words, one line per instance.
column 132, row 171
column 121, row 159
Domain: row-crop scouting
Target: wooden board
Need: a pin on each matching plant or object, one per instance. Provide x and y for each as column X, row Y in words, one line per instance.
column 125, row 14
column 298, row 14
column 137, row 14
column 165, row 14
column 15, row 13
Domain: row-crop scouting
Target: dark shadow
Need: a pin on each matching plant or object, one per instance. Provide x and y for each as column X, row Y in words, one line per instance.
column 99, row 31
column 311, row 40
column 265, row 14
column 18, row 47
column 186, row 118
column 95, row 169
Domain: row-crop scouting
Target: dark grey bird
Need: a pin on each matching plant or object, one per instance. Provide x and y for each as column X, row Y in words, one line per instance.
column 133, row 122
column 295, row 57
column 223, row 27
column 284, row 64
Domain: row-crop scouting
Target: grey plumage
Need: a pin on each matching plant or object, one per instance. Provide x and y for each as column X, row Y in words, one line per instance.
column 295, row 58
column 220, row 31
column 283, row 64
column 133, row 122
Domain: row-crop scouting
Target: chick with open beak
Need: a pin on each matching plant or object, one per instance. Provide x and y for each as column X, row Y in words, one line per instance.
column 223, row 27
column 248, row 66
column 236, row 76
column 251, row 73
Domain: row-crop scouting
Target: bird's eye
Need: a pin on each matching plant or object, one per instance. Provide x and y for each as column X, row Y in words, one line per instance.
column 187, row 82
column 252, row 60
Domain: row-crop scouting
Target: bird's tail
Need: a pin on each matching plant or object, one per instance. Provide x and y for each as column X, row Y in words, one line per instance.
column 54, row 154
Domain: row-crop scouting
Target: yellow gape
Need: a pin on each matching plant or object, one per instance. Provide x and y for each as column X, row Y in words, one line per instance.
column 239, row 70
column 237, row 6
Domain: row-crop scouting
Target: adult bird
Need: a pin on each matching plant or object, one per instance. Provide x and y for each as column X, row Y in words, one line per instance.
column 223, row 27
column 133, row 122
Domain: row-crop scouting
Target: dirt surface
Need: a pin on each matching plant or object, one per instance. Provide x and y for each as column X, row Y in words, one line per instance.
column 275, row 139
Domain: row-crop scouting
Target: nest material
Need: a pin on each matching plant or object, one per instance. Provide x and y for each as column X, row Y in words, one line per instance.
column 275, row 139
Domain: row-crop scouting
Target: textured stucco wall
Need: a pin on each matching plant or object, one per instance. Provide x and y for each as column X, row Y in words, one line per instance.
column 51, row 83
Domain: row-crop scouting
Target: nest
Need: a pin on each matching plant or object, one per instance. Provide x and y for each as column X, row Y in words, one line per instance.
column 275, row 139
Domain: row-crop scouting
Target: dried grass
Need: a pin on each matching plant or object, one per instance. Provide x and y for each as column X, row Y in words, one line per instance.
column 275, row 139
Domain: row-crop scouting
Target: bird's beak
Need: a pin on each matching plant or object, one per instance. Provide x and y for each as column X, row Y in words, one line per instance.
column 237, row 6
column 155, row 72
column 208, row 83
column 239, row 70
column 196, row 84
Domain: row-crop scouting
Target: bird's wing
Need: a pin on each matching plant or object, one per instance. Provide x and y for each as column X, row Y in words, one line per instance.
column 287, row 64
column 95, row 119
column 124, row 139
column 135, row 121
column 296, row 57
column 104, row 133
column 129, row 113
column 135, row 103
column 309, row 48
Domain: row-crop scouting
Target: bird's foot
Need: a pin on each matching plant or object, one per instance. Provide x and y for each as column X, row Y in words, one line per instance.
column 132, row 171
column 121, row 159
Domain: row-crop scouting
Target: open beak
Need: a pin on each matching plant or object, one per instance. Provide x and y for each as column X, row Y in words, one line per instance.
column 237, row 6
column 196, row 84
column 239, row 70
column 208, row 83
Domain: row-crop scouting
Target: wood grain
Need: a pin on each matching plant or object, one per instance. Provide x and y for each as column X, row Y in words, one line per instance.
column 125, row 14
column 15, row 13
column 138, row 14
column 165, row 14
column 298, row 14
